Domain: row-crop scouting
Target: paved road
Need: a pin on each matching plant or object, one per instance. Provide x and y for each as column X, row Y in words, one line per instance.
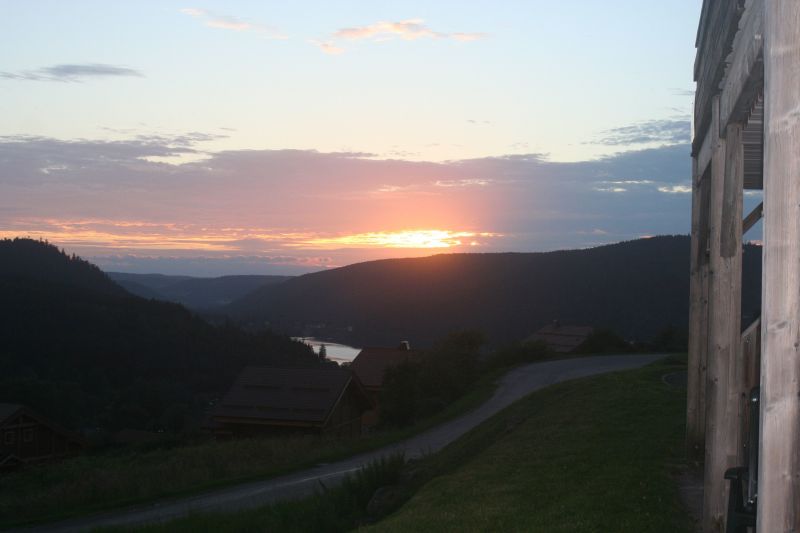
column 516, row 384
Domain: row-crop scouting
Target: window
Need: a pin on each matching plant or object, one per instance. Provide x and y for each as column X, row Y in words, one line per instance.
column 9, row 437
column 27, row 435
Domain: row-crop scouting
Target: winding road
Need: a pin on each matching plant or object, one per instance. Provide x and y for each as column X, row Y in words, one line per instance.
column 513, row 386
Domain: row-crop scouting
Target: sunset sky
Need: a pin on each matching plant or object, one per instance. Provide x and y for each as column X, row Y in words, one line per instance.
column 285, row 137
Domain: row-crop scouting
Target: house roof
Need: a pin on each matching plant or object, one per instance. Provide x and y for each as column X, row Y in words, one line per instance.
column 7, row 410
column 370, row 364
column 561, row 338
column 305, row 395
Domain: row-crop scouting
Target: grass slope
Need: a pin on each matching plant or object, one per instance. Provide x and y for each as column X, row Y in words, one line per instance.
column 591, row 455
column 594, row 455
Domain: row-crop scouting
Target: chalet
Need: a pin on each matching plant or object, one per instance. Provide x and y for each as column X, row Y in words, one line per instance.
column 263, row 401
column 370, row 366
column 561, row 339
column 743, row 406
column 26, row 437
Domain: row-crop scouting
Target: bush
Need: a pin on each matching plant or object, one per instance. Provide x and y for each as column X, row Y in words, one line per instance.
column 518, row 353
column 425, row 385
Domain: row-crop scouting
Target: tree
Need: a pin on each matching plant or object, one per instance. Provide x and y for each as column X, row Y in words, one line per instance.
column 323, row 352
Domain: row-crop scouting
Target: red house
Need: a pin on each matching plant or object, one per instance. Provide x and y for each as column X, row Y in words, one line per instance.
column 370, row 366
column 27, row 437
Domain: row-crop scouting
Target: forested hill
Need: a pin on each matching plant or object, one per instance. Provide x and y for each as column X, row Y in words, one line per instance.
column 35, row 260
column 84, row 352
column 637, row 288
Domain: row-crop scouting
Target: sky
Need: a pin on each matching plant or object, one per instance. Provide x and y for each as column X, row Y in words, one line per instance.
column 287, row 137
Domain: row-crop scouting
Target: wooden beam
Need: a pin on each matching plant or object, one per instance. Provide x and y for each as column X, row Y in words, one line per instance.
column 716, row 34
column 703, row 155
column 779, row 457
column 724, row 377
column 752, row 218
column 698, row 321
column 745, row 74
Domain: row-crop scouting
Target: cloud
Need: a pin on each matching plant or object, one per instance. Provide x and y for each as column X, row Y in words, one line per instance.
column 228, row 22
column 408, row 30
column 662, row 132
column 114, row 198
column 328, row 47
column 469, row 37
column 682, row 92
column 676, row 189
column 463, row 183
column 72, row 73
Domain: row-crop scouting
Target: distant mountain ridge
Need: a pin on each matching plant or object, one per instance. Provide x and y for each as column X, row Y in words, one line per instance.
column 636, row 288
column 194, row 293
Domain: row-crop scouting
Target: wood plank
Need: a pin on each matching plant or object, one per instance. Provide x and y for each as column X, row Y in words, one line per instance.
column 703, row 155
column 745, row 75
column 752, row 218
column 716, row 35
column 779, row 461
column 724, row 378
column 698, row 323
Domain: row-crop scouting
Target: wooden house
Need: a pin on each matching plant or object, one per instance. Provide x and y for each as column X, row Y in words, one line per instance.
column 27, row 437
column 561, row 339
column 746, row 137
column 265, row 400
column 370, row 366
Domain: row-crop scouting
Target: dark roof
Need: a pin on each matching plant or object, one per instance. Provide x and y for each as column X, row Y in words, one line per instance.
column 371, row 364
column 304, row 395
column 7, row 410
column 561, row 338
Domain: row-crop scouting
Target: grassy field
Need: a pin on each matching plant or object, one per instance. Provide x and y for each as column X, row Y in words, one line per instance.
column 592, row 455
column 96, row 482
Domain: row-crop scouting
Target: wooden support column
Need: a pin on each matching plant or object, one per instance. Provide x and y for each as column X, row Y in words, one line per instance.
column 779, row 457
column 724, row 377
column 698, row 318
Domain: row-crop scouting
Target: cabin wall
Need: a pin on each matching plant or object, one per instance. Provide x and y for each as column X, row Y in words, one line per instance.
column 345, row 420
column 31, row 440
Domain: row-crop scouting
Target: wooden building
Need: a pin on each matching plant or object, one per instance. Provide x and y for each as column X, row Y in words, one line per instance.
column 370, row 366
column 27, row 437
column 746, row 137
column 263, row 401
column 561, row 339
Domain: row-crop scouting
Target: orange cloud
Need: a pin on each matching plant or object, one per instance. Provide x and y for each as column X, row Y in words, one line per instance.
column 142, row 236
column 412, row 239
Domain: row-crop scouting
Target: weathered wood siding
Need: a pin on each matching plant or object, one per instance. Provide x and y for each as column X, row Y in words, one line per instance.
column 779, row 464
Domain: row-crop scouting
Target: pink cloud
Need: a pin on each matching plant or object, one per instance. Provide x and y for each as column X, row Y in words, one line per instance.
column 408, row 30
column 227, row 22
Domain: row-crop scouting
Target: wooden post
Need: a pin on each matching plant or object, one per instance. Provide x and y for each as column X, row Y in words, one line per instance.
column 779, row 449
column 724, row 385
column 698, row 319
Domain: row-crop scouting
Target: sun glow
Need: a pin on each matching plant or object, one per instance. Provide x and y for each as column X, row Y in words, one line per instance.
column 418, row 239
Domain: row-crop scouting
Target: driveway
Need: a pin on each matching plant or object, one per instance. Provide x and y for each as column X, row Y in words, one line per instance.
column 513, row 386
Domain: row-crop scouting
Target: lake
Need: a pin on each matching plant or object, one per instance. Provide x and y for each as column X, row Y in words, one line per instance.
column 341, row 353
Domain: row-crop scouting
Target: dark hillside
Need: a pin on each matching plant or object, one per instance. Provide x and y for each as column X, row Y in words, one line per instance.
column 83, row 351
column 38, row 261
column 636, row 288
